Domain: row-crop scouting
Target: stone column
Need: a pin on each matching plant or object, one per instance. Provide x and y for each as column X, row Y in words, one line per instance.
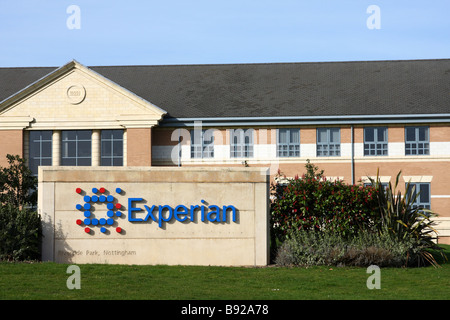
column 56, row 148
column 96, row 148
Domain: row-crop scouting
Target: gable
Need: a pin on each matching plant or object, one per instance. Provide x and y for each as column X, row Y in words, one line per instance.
column 77, row 97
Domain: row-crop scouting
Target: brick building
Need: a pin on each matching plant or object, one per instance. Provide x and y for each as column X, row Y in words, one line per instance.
column 349, row 118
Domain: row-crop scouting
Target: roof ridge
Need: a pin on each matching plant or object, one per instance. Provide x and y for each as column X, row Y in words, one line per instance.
column 28, row 68
column 242, row 64
column 268, row 63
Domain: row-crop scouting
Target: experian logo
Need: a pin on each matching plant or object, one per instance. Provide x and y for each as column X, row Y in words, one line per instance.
column 180, row 213
column 160, row 214
column 100, row 197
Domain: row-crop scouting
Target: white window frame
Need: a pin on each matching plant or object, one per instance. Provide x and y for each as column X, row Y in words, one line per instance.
column 291, row 147
column 416, row 187
column 202, row 143
column 417, row 147
column 328, row 148
column 376, row 147
column 241, row 143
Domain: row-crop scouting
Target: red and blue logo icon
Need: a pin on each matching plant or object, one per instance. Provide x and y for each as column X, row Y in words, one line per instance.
column 92, row 204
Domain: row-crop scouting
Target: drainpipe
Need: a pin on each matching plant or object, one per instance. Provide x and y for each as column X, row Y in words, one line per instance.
column 179, row 148
column 353, row 155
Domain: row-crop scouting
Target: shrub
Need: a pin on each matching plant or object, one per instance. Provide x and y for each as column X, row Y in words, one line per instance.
column 314, row 203
column 20, row 233
column 310, row 248
column 323, row 222
column 399, row 218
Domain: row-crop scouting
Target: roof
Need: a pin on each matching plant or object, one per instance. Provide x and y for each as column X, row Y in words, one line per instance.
column 315, row 89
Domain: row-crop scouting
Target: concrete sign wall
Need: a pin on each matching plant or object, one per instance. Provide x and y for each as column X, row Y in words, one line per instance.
column 155, row 215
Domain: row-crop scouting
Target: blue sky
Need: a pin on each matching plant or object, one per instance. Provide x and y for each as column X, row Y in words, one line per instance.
column 35, row 33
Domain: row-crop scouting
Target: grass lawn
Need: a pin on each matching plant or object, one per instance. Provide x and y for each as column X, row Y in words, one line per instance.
column 33, row 281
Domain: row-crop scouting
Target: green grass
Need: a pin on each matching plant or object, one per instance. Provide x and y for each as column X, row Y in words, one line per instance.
column 48, row 281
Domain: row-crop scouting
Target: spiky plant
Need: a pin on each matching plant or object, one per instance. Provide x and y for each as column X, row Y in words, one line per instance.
column 404, row 221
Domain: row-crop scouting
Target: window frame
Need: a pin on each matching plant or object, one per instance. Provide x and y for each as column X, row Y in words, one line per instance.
column 290, row 148
column 417, row 189
column 242, row 148
column 384, row 185
column 202, row 149
column 111, row 159
column 375, row 146
column 42, row 160
column 328, row 145
column 409, row 144
column 76, row 142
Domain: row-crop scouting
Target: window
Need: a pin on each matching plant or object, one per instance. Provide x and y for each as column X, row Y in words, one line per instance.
column 288, row 143
column 76, row 148
column 328, row 142
column 417, row 141
column 111, row 148
column 384, row 185
column 423, row 199
column 241, row 143
column 202, row 143
column 375, row 141
column 40, row 150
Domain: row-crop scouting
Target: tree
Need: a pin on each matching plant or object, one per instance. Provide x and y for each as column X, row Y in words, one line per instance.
column 20, row 225
column 17, row 183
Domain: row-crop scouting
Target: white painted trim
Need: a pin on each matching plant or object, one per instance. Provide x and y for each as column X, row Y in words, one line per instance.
column 334, row 178
column 440, row 148
column 15, row 123
column 308, row 150
column 414, row 179
column 396, row 149
column 383, row 179
column 267, row 153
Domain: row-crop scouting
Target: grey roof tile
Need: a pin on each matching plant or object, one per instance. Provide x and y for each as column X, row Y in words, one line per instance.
column 276, row 89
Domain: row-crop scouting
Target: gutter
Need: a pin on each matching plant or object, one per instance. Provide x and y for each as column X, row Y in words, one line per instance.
column 307, row 120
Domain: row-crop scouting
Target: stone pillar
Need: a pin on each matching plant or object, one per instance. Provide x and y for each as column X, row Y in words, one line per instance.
column 96, row 149
column 56, row 148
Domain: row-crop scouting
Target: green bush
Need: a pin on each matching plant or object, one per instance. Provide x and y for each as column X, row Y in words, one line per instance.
column 314, row 203
column 310, row 248
column 321, row 222
column 20, row 233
